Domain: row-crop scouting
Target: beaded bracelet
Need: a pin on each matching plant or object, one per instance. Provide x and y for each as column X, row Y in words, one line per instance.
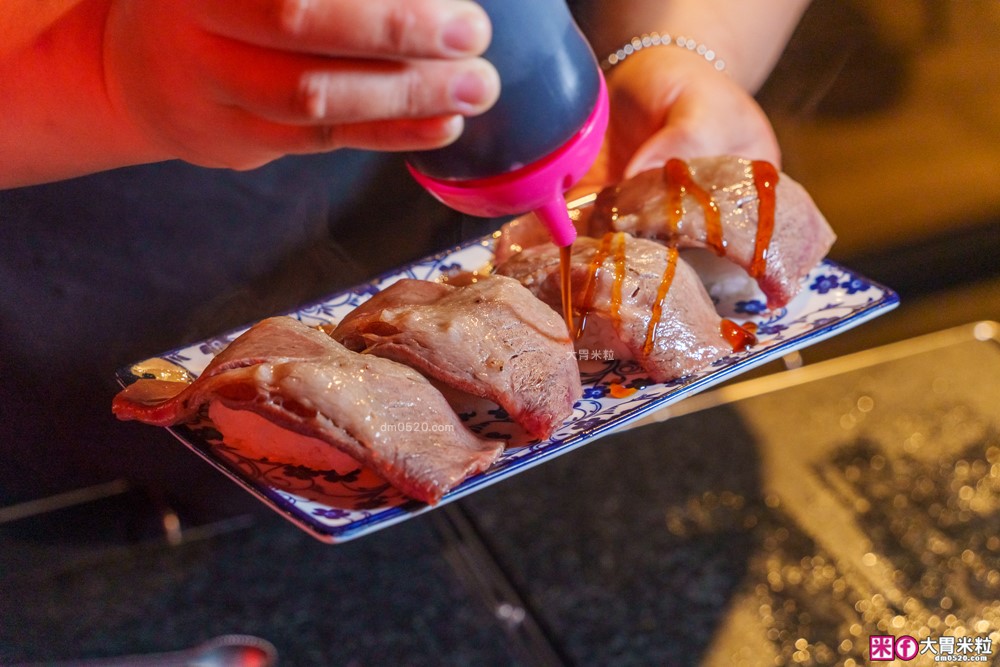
column 656, row 39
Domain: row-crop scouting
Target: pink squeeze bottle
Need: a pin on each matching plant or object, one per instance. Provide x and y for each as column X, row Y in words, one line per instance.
column 544, row 132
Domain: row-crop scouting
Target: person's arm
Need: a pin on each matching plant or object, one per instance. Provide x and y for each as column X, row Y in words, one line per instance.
column 748, row 34
column 668, row 101
column 89, row 85
column 57, row 118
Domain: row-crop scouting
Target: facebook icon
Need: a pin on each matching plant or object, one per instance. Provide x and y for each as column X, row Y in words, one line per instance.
column 906, row 648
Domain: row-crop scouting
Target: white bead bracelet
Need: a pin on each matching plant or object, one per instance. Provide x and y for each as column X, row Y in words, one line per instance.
column 651, row 39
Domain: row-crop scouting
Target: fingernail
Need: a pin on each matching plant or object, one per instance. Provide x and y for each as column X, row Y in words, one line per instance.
column 468, row 33
column 315, row 92
column 451, row 129
column 473, row 89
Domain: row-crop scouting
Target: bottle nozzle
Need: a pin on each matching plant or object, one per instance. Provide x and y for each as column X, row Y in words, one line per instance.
column 555, row 216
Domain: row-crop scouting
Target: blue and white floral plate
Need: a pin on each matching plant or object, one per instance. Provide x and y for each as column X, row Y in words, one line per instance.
column 347, row 502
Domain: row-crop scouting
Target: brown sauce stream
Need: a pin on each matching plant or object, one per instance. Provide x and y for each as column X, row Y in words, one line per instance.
column 616, row 286
column 590, row 291
column 679, row 182
column 661, row 295
column 765, row 179
column 566, row 284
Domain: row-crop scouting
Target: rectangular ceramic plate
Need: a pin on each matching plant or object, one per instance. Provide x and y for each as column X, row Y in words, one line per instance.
column 344, row 503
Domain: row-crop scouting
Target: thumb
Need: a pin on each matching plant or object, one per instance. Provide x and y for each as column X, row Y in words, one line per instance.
column 668, row 142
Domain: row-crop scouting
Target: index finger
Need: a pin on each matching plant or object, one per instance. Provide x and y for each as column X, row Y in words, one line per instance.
column 366, row 28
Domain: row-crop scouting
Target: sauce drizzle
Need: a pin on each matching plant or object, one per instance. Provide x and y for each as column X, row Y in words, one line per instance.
column 620, row 391
column 590, row 292
column 661, row 294
column 765, row 179
column 679, row 182
column 740, row 337
column 616, row 287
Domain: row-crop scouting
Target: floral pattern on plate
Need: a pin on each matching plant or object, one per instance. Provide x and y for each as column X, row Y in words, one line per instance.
column 347, row 502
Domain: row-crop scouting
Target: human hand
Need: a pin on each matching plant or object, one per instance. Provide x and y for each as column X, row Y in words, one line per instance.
column 238, row 84
column 667, row 102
